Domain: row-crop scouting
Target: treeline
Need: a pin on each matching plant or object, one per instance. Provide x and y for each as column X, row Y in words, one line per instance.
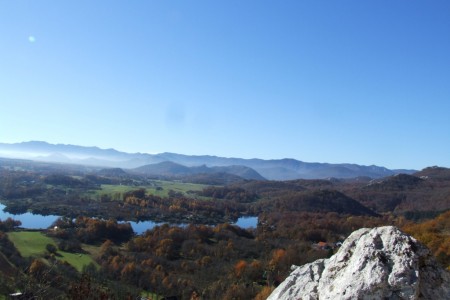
column 19, row 184
column 9, row 224
column 229, row 193
column 179, row 209
column 312, row 201
column 406, row 195
column 286, row 227
column 90, row 231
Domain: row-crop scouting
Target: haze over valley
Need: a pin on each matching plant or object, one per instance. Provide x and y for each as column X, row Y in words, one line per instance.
column 218, row 150
column 179, row 164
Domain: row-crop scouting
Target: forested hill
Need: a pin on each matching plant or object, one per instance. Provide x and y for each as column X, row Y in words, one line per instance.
column 275, row 169
column 172, row 169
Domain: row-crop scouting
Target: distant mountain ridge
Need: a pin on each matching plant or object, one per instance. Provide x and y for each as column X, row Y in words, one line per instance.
column 275, row 169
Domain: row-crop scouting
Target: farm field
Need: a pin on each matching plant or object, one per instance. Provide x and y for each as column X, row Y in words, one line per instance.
column 33, row 244
column 30, row 243
column 159, row 188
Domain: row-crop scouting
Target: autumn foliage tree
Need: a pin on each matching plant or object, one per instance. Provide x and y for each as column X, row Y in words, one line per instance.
column 435, row 235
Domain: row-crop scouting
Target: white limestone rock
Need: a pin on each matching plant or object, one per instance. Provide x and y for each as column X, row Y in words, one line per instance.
column 378, row 263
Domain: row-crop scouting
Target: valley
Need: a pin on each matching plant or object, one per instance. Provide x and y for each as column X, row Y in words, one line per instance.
column 125, row 233
column 217, row 150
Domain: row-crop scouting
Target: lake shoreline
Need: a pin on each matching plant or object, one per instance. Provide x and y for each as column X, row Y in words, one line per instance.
column 37, row 221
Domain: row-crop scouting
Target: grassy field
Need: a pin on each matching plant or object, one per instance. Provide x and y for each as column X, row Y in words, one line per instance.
column 77, row 260
column 180, row 187
column 94, row 251
column 159, row 188
column 33, row 243
column 109, row 189
column 30, row 243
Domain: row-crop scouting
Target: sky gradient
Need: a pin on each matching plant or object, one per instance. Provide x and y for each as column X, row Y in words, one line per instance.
column 364, row 82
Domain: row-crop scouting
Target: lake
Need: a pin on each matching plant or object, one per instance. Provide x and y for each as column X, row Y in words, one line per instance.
column 35, row 221
column 29, row 220
column 247, row 222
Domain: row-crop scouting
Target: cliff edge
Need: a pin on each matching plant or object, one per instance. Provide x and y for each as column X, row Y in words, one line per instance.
column 378, row 263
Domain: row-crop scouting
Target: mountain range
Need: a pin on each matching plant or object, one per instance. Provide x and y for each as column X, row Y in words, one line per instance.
column 179, row 164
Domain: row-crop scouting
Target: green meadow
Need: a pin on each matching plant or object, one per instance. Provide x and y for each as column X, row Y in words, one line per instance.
column 158, row 188
column 33, row 243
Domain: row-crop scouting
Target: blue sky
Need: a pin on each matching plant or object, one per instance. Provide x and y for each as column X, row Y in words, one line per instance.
column 365, row 82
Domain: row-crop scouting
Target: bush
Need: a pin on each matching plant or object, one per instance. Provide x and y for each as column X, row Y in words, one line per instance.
column 51, row 248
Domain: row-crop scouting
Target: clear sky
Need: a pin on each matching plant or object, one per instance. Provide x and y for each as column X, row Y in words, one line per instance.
column 364, row 82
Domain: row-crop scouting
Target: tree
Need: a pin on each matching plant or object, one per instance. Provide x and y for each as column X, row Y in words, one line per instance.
column 9, row 224
column 240, row 268
column 51, row 248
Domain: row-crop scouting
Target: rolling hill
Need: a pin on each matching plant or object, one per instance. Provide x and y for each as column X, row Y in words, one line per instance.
column 171, row 169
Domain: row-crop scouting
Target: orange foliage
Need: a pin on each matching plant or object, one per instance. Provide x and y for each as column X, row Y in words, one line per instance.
column 37, row 267
column 435, row 234
column 239, row 268
column 264, row 293
column 277, row 256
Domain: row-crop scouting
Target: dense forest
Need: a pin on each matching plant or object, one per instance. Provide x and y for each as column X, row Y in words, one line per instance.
column 205, row 256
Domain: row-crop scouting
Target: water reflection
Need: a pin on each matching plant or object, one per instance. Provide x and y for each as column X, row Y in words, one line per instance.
column 29, row 220
column 143, row 226
column 35, row 221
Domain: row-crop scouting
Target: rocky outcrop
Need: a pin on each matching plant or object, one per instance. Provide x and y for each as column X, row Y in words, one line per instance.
column 378, row 263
